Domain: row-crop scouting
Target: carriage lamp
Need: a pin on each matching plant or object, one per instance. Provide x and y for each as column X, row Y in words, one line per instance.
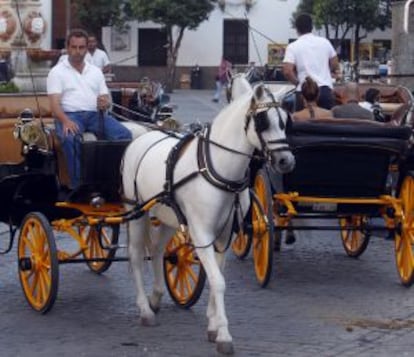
column 96, row 200
column 27, row 130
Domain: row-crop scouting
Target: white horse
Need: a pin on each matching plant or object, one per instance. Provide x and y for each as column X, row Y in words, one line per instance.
column 253, row 121
column 238, row 86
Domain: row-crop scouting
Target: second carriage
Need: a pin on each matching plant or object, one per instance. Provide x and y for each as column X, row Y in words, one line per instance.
column 348, row 173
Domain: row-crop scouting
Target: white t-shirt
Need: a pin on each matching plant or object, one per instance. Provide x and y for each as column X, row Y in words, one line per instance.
column 311, row 54
column 99, row 58
column 79, row 90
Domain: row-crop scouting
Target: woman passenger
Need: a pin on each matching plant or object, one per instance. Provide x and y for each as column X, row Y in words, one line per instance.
column 310, row 94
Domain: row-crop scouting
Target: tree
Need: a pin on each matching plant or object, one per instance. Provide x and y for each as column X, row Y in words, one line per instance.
column 175, row 16
column 92, row 15
column 343, row 15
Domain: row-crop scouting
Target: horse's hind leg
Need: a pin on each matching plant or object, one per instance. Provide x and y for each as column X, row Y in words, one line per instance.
column 138, row 231
column 160, row 236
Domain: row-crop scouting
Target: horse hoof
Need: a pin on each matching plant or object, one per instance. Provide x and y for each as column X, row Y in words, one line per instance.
column 148, row 322
column 211, row 336
column 154, row 308
column 225, row 348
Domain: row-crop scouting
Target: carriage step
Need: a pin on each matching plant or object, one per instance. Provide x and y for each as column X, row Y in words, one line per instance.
column 96, row 260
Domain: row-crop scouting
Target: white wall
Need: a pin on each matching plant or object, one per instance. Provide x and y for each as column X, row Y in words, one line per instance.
column 204, row 46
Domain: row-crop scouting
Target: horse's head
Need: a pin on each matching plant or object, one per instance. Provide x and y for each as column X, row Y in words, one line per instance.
column 238, row 86
column 265, row 128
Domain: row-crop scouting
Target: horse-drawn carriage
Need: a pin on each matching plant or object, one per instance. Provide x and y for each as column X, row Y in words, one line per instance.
column 36, row 204
column 349, row 173
column 186, row 180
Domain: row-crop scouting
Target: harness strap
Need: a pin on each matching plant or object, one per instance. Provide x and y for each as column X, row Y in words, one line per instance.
column 169, row 186
column 210, row 174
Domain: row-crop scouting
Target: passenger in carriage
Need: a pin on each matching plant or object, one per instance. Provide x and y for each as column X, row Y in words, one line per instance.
column 371, row 103
column 351, row 107
column 310, row 94
column 78, row 98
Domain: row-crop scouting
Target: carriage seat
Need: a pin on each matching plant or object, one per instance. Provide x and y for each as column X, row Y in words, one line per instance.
column 343, row 157
column 346, row 131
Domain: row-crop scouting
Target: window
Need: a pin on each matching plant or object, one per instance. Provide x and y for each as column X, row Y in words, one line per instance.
column 236, row 41
column 152, row 50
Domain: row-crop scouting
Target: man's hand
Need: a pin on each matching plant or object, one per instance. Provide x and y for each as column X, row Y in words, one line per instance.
column 103, row 102
column 70, row 127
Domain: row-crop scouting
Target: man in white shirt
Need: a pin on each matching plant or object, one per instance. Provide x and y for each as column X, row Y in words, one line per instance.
column 99, row 57
column 78, row 97
column 312, row 56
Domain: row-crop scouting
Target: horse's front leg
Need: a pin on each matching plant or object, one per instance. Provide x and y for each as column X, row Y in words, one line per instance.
column 137, row 233
column 218, row 321
column 160, row 235
column 211, row 307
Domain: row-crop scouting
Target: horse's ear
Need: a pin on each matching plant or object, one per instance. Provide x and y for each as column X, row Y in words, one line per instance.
column 258, row 91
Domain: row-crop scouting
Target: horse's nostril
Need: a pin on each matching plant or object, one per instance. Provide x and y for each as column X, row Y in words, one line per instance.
column 282, row 162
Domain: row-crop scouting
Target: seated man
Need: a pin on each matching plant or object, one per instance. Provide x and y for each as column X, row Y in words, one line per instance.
column 310, row 94
column 78, row 97
column 351, row 108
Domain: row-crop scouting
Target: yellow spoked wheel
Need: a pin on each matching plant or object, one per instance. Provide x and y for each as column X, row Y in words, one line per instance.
column 354, row 241
column 99, row 242
column 404, row 237
column 184, row 274
column 242, row 243
column 262, row 228
column 37, row 262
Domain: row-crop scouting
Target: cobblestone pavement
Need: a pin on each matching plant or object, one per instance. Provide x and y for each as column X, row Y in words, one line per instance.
column 319, row 303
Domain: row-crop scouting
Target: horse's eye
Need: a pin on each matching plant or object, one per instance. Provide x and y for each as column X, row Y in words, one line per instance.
column 261, row 121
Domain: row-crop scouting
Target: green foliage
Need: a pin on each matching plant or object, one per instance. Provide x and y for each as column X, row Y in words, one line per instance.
column 182, row 13
column 92, row 15
column 8, row 87
column 343, row 15
column 175, row 16
column 368, row 14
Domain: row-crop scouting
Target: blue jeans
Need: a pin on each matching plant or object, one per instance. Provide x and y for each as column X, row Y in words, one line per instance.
column 87, row 121
column 219, row 89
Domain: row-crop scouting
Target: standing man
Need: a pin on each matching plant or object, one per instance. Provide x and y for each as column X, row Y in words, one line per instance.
column 78, row 97
column 312, row 56
column 99, row 57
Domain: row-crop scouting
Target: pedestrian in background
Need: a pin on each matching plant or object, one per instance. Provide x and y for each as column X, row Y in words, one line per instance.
column 99, row 57
column 222, row 78
column 313, row 56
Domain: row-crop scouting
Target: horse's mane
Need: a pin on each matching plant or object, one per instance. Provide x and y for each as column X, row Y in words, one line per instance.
column 241, row 103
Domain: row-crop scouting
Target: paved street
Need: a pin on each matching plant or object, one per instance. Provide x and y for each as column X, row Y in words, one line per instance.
column 319, row 302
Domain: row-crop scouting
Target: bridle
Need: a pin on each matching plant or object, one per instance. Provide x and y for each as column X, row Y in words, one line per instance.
column 258, row 113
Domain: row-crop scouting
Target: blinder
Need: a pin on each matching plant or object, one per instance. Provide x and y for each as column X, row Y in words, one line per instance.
column 261, row 121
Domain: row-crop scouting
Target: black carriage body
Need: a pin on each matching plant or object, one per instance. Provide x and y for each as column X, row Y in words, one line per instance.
column 28, row 186
column 100, row 168
column 347, row 159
